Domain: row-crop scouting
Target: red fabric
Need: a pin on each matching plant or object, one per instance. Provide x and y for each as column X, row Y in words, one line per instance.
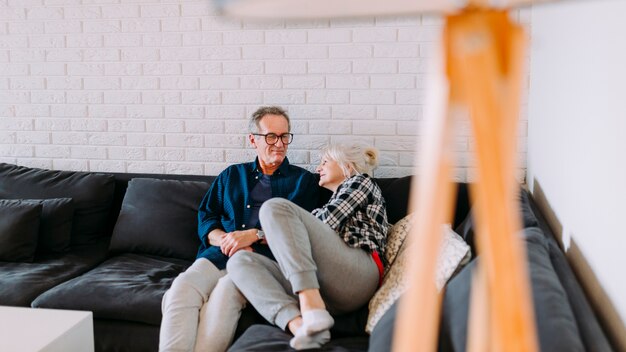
column 379, row 264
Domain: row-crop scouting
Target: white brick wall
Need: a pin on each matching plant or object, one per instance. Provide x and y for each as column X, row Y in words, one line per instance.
column 167, row 85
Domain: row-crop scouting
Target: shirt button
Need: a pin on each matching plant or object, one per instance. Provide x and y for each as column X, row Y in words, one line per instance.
column 248, row 206
column 243, row 226
column 257, row 177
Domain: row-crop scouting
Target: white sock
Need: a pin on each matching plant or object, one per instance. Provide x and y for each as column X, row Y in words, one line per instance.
column 316, row 320
column 302, row 341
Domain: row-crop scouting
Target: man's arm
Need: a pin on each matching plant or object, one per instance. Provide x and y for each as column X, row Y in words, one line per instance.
column 210, row 213
column 234, row 241
column 210, row 210
column 306, row 192
column 215, row 237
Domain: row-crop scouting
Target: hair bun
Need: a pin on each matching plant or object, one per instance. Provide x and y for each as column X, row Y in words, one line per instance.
column 372, row 156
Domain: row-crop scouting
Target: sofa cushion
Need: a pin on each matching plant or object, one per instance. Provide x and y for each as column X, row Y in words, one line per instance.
column 528, row 219
column 159, row 217
column 395, row 239
column 396, row 192
column 21, row 283
column 19, row 229
column 55, row 227
column 124, row 336
column 455, row 253
column 126, row 287
column 591, row 333
column 270, row 338
column 556, row 327
column 92, row 195
column 382, row 335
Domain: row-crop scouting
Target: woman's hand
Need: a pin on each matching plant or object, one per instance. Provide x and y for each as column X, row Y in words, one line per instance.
column 236, row 240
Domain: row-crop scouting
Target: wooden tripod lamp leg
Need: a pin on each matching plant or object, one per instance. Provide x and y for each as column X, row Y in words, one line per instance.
column 484, row 65
column 432, row 196
column 484, row 51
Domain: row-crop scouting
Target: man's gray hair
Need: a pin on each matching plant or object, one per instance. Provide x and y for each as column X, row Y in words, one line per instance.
column 256, row 117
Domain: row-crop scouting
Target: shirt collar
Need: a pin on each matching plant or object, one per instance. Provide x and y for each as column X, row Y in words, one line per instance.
column 283, row 169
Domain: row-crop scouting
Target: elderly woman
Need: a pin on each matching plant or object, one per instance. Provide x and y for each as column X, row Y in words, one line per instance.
column 328, row 260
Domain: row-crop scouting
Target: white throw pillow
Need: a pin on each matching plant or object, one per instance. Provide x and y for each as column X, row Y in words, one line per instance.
column 455, row 253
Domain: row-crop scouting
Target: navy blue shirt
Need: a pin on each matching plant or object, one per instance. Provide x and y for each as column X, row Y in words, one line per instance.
column 228, row 205
column 261, row 192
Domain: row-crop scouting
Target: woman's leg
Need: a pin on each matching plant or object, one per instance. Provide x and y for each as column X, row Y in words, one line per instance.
column 260, row 280
column 181, row 305
column 312, row 256
column 321, row 268
column 219, row 317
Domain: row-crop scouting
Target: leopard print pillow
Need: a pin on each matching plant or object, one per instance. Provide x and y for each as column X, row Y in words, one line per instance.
column 455, row 253
column 395, row 238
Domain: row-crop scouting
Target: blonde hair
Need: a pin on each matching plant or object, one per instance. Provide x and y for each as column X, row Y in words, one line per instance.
column 352, row 159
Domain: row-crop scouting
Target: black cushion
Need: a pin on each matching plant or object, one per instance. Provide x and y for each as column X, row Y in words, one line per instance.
column 270, row 338
column 382, row 335
column 556, row 326
column 21, row 283
column 396, row 192
column 120, row 335
column 19, row 229
column 160, row 217
column 350, row 324
column 591, row 332
column 528, row 219
column 55, row 227
column 126, row 287
column 92, row 194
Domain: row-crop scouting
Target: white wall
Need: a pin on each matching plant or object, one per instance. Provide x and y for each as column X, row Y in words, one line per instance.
column 166, row 86
column 577, row 129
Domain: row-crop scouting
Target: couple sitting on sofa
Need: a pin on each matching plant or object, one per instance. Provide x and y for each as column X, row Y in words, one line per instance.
column 286, row 284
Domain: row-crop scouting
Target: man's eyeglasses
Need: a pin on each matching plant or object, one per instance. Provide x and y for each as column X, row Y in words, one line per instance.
column 272, row 138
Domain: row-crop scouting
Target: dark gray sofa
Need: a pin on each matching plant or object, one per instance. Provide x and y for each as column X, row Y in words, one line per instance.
column 563, row 316
column 132, row 234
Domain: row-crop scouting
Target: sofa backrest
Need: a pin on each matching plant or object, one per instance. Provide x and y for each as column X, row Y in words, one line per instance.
column 121, row 184
column 91, row 193
column 157, row 200
column 395, row 190
column 98, row 197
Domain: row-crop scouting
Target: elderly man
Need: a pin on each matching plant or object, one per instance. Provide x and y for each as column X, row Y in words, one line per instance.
column 201, row 309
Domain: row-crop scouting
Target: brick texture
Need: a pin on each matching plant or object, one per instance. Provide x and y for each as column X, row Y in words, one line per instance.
column 167, row 86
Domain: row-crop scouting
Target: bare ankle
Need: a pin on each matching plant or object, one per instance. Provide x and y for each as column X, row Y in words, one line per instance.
column 311, row 299
column 295, row 324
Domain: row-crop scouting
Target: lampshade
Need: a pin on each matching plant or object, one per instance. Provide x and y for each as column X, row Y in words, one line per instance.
column 294, row 9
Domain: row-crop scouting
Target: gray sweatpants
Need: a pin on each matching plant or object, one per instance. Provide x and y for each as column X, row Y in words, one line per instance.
column 310, row 255
column 200, row 310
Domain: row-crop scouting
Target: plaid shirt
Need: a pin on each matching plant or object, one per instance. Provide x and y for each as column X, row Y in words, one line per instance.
column 356, row 211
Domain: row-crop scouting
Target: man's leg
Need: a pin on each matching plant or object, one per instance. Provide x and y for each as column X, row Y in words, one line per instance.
column 181, row 305
column 219, row 317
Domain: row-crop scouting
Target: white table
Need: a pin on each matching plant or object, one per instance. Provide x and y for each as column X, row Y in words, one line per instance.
column 49, row 330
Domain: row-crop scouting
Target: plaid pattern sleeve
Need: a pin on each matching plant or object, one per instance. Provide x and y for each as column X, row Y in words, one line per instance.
column 356, row 211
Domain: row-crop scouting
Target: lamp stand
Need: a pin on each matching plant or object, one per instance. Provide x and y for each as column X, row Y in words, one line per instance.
column 484, row 53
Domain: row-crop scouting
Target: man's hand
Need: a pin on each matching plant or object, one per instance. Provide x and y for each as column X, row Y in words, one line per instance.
column 233, row 241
